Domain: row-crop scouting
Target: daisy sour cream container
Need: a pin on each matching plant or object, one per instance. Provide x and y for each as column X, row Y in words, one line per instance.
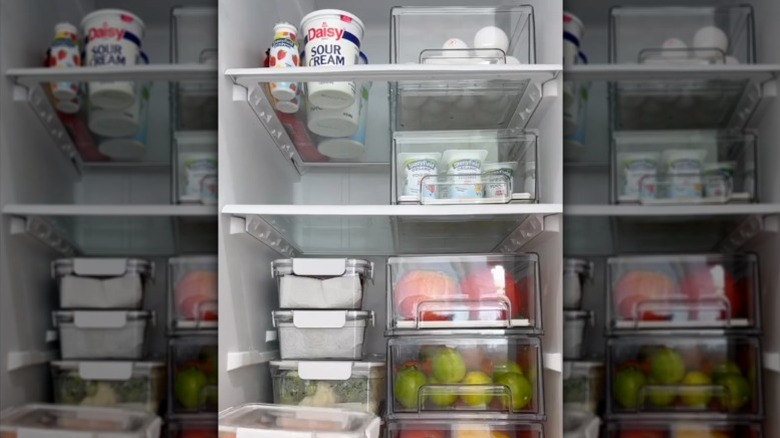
column 332, row 37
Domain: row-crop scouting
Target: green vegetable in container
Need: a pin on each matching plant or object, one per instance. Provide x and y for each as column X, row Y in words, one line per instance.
column 352, row 390
column 134, row 390
column 72, row 389
column 293, row 389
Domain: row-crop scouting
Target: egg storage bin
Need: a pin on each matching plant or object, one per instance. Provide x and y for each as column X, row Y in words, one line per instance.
column 102, row 334
column 193, row 427
column 464, row 167
column 322, row 334
column 683, row 429
column 453, row 428
column 50, row 420
column 102, row 283
column 462, row 292
column 192, row 293
column 684, row 376
column 195, row 166
column 683, row 167
column 575, row 273
column 473, row 376
column 584, row 386
column 358, row 386
column 279, row 421
column 192, row 371
column 133, row 385
column 697, row 291
column 332, row 283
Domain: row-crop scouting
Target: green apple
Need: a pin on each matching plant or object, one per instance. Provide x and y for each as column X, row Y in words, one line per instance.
column 477, row 397
column 448, row 365
column 696, row 397
column 519, row 388
column 407, row 386
column 737, row 391
column 666, row 366
column 626, row 386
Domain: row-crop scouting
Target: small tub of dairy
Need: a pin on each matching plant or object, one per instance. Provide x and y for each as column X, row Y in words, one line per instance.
column 500, row 188
column 347, row 122
column 574, row 322
column 415, row 166
column 719, row 179
column 683, row 167
column 466, row 166
column 634, row 166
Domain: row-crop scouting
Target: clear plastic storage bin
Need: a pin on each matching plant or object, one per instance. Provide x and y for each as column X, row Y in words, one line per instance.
column 464, row 292
column 192, row 381
column 296, row 422
column 695, row 376
column 193, row 293
column 36, row 420
column 683, row 167
column 195, row 167
column 321, row 283
column 135, row 385
column 683, row 291
column 463, row 429
column 358, row 386
column 583, row 386
column 102, row 283
column 322, row 334
column 477, row 377
column 682, row 429
column 460, row 167
column 102, row 334
column 193, row 428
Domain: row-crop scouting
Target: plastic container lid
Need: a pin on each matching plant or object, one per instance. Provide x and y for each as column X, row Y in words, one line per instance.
column 99, row 319
column 123, row 149
column 345, row 148
column 579, row 266
column 66, row 27
column 98, row 267
column 315, row 15
column 257, row 420
column 49, row 420
column 112, row 123
column 119, row 12
column 108, row 370
column 307, row 267
column 322, row 318
column 329, row 370
column 577, row 315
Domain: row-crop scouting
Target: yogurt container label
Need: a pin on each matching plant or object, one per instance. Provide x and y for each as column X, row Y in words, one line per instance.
column 65, row 53
column 637, row 166
column 500, row 180
column 465, row 167
column 284, row 54
column 685, row 186
column 414, row 168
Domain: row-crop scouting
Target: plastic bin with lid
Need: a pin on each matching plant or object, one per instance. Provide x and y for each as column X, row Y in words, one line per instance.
column 322, row 334
column 195, row 427
column 695, row 291
column 102, row 283
column 457, row 292
column 193, row 293
column 583, row 385
column 575, row 273
column 470, row 376
column 192, row 381
column 135, row 385
column 580, row 424
column 102, row 334
column 684, row 428
column 36, row 420
column 279, row 421
column 455, row 428
column 322, row 283
column 359, row 386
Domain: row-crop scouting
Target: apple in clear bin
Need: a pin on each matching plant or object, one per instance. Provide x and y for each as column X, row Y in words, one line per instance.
column 494, row 285
column 196, row 296
column 636, row 288
column 711, row 282
column 418, row 287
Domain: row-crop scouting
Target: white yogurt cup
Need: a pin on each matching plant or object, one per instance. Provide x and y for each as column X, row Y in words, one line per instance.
column 112, row 38
column 719, row 179
column 500, row 188
column 284, row 53
column 575, row 271
column 416, row 166
column 331, row 37
column 683, row 167
column 349, row 148
column 463, row 167
column 343, row 122
column 574, row 323
column 130, row 148
column 634, row 166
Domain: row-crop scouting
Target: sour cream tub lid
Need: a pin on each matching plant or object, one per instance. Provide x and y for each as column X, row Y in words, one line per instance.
column 323, row 12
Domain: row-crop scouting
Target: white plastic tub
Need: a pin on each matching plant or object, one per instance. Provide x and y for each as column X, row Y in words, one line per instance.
column 48, row 420
column 102, row 283
column 321, row 283
column 574, row 323
column 102, row 334
column 322, row 334
column 575, row 272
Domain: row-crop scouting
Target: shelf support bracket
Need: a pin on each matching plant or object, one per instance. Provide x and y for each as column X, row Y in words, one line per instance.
column 531, row 227
column 241, row 359
column 45, row 232
column 261, row 230
column 23, row 359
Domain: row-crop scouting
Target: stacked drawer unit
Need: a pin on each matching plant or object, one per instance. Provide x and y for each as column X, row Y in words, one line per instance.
column 102, row 332
column 464, row 347
column 684, row 345
column 321, row 330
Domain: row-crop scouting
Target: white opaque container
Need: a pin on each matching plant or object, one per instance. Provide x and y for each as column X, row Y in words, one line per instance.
column 580, row 424
column 306, row 283
column 49, row 420
column 575, row 272
column 193, row 292
column 574, row 323
column 101, row 334
column 322, row 334
column 102, row 283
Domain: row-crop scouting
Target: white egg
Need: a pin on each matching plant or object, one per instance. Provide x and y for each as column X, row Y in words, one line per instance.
column 512, row 60
column 710, row 37
column 455, row 47
column 491, row 37
column 674, row 48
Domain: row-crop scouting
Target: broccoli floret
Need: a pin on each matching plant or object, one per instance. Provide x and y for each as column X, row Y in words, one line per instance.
column 293, row 389
column 352, row 390
column 135, row 390
column 72, row 389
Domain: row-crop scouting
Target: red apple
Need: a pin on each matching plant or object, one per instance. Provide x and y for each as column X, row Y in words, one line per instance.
column 636, row 288
column 418, row 287
column 494, row 284
column 709, row 282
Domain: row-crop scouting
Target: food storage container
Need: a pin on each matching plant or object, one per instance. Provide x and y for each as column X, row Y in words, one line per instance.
column 321, row 283
column 696, row 291
column 691, row 376
column 135, row 385
column 357, row 386
column 583, row 386
column 102, row 334
column 256, row 419
column 477, row 377
column 322, row 334
column 195, row 163
column 574, row 324
column 464, row 292
column 425, row 167
column 192, row 371
column 580, row 424
column 683, row 429
column 193, row 428
column 575, row 273
column 452, row 428
column 102, row 283
column 192, row 293
column 38, row 420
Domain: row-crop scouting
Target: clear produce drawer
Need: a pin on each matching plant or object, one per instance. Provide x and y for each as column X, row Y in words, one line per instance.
column 583, row 386
column 464, row 292
column 196, row 427
column 192, row 293
column 688, row 377
column 682, row 429
column 192, row 381
column 37, row 420
column 474, row 376
column 463, row 429
column 698, row 291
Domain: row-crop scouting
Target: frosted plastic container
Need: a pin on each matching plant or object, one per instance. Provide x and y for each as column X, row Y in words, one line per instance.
column 321, row 283
column 451, row 292
column 102, row 283
column 192, row 381
column 468, row 376
column 193, row 293
column 574, row 324
column 359, row 386
column 133, row 385
column 49, row 420
column 454, row 428
column 716, row 428
column 575, row 273
column 322, row 334
column 196, row 160
column 256, row 419
column 102, row 334
column 583, row 385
